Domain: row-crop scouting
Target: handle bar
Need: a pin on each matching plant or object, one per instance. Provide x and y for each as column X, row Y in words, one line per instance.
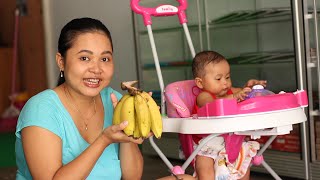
column 161, row 10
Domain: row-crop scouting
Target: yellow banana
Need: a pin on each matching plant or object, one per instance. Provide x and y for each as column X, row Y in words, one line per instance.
column 127, row 114
column 117, row 110
column 143, row 115
column 155, row 115
column 136, row 132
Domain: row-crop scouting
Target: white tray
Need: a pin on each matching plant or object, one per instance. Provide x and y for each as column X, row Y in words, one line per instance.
column 269, row 123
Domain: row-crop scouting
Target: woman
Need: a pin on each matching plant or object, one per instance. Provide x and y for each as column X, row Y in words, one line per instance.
column 67, row 132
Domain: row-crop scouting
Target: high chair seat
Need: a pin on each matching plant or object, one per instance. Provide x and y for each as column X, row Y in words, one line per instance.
column 180, row 98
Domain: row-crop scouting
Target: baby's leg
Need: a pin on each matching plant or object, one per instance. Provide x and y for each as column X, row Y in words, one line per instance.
column 204, row 168
column 247, row 175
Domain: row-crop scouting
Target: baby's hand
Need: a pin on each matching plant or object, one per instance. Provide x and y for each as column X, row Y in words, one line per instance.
column 253, row 82
column 241, row 95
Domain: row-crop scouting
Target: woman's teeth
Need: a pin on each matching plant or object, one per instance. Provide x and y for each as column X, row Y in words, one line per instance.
column 92, row 81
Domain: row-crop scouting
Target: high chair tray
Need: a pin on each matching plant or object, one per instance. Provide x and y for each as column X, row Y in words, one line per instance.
column 234, row 123
column 255, row 105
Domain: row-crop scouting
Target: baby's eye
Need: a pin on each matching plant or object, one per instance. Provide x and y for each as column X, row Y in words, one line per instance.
column 218, row 79
column 84, row 58
column 105, row 59
column 227, row 77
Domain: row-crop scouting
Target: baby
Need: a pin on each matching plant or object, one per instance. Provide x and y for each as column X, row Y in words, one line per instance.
column 211, row 72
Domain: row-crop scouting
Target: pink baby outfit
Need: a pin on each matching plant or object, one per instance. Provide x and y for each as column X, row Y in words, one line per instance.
column 230, row 149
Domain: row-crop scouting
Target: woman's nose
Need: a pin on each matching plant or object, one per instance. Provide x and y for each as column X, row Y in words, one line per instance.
column 95, row 67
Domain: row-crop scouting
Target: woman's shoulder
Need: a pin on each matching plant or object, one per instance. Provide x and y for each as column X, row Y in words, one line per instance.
column 44, row 110
column 47, row 96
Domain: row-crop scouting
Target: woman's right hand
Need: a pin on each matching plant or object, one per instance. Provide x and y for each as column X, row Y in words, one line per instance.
column 115, row 134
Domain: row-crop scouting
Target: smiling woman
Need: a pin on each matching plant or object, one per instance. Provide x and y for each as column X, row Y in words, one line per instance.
column 67, row 132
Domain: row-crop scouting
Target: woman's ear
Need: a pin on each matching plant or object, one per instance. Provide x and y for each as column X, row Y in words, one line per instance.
column 198, row 82
column 60, row 61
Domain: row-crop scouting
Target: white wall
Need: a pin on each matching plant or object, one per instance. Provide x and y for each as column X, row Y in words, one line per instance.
column 115, row 14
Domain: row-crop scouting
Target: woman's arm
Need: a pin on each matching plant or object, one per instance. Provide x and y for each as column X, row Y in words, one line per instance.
column 131, row 161
column 43, row 152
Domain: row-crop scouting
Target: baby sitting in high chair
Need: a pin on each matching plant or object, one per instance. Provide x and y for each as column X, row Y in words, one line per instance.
column 211, row 72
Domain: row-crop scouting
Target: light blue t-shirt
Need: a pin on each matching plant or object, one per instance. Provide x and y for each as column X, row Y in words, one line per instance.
column 46, row 110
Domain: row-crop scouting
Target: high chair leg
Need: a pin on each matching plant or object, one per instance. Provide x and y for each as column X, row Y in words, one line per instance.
column 263, row 163
column 159, row 152
column 270, row 170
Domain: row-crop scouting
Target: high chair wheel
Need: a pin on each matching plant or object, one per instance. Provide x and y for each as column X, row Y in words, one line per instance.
column 177, row 170
column 257, row 160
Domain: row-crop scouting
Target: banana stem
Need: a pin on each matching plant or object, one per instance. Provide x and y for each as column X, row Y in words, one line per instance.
column 129, row 85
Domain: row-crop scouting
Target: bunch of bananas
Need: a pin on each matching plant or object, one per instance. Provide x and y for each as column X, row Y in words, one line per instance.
column 140, row 110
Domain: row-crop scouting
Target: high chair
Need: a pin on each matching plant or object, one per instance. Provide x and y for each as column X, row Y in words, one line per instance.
column 273, row 116
column 180, row 98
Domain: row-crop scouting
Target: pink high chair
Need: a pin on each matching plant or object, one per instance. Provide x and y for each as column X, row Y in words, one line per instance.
column 270, row 115
column 273, row 116
column 180, row 98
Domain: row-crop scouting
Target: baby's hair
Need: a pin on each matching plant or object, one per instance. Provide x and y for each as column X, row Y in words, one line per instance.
column 202, row 59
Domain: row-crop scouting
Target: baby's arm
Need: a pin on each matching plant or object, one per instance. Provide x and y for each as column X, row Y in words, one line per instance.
column 204, row 98
column 253, row 82
column 241, row 93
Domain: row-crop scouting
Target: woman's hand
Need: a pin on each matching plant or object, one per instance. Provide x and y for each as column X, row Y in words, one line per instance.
column 253, row 82
column 114, row 133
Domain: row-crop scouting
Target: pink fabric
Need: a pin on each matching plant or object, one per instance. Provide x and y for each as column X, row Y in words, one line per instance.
column 233, row 145
column 180, row 97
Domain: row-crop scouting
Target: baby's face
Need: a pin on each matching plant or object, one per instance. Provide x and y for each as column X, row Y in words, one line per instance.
column 217, row 78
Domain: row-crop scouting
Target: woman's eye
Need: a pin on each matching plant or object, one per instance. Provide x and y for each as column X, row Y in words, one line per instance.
column 105, row 59
column 84, row 58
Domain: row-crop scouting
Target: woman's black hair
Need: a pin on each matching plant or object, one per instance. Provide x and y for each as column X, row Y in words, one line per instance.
column 74, row 28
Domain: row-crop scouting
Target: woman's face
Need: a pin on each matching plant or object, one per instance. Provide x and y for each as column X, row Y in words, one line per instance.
column 89, row 63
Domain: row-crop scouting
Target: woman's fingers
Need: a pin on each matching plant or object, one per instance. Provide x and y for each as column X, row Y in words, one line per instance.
column 114, row 99
column 120, row 126
column 137, row 141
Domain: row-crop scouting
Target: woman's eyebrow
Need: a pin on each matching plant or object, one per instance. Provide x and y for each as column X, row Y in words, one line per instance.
column 106, row 52
column 84, row 50
column 90, row 52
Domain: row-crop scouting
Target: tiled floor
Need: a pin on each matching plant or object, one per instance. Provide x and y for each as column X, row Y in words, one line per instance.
column 154, row 168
